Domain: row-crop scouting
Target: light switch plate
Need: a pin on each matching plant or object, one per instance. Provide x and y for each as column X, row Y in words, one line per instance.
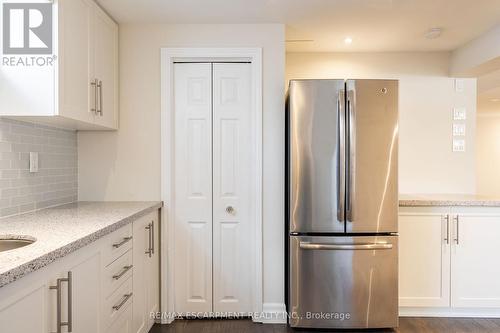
column 458, row 145
column 33, row 162
column 459, row 114
column 458, row 129
column 459, row 85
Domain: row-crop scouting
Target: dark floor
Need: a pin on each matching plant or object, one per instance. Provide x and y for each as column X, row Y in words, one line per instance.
column 406, row 325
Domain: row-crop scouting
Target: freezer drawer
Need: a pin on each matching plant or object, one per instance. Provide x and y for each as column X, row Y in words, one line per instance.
column 343, row 282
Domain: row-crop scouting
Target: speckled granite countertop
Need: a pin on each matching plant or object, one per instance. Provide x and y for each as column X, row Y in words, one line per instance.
column 443, row 200
column 62, row 230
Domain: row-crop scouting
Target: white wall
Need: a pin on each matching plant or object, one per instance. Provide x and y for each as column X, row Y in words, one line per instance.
column 125, row 165
column 488, row 154
column 426, row 101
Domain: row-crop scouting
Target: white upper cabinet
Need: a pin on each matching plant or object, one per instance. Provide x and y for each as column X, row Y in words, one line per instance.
column 75, row 65
column 105, row 55
column 79, row 89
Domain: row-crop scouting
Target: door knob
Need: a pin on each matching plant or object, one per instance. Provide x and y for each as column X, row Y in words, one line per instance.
column 230, row 210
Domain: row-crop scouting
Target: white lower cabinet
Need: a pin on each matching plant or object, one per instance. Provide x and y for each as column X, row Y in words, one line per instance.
column 474, row 260
column 146, row 272
column 448, row 261
column 74, row 297
column 424, row 258
column 124, row 323
column 15, row 307
column 105, row 287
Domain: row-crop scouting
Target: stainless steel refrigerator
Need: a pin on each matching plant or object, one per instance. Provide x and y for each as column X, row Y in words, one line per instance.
column 342, row 203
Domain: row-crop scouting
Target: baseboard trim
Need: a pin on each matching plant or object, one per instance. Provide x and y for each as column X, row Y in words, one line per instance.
column 450, row 312
column 272, row 313
column 165, row 321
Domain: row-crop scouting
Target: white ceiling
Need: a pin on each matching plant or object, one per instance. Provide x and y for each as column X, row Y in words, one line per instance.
column 374, row 25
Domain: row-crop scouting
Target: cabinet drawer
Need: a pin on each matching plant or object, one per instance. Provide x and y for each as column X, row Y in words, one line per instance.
column 117, row 303
column 116, row 273
column 117, row 244
column 123, row 323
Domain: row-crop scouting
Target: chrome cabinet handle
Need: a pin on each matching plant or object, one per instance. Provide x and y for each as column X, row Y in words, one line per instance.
column 99, row 89
column 321, row 246
column 457, row 233
column 447, row 236
column 125, row 270
column 125, row 240
column 230, row 210
column 153, row 237
column 149, row 228
column 122, row 302
column 58, row 288
column 94, row 85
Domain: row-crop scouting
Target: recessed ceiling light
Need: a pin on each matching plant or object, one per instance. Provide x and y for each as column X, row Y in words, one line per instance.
column 348, row 40
column 433, row 33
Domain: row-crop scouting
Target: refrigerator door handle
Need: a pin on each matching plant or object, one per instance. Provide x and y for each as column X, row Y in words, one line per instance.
column 322, row 246
column 350, row 153
column 341, row 186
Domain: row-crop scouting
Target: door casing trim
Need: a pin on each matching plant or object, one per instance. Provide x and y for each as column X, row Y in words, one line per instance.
column 168, row 57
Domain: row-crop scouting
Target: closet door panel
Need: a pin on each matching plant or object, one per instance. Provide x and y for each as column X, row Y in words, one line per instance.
column 193, row 187
column 232, row 176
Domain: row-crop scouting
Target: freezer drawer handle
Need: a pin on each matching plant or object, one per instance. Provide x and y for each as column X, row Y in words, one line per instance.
column 318, row 246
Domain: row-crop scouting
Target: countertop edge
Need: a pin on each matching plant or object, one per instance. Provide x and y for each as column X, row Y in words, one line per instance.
column 22, row 270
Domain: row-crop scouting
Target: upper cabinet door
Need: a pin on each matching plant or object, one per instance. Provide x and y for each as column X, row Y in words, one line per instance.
column 76, row 95
column 106, row 68
column 80, row 89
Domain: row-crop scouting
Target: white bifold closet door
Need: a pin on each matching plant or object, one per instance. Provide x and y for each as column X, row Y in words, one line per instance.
column 213, row 175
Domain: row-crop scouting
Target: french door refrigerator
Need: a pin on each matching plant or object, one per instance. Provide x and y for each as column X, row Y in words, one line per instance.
column 342, row 203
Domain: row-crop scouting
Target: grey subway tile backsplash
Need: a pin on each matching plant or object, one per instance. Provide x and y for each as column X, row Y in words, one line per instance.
column 56, row 181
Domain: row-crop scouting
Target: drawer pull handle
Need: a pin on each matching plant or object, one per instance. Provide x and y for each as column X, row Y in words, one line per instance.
column 122, row 273
column 125, row 240
column 58, row 288
column 122, row 302
column 150, row 229
column 349, row 247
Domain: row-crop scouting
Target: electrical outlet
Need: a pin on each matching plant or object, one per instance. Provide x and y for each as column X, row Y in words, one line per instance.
column 458, row 129
column 459, row 114
column 458, row 145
